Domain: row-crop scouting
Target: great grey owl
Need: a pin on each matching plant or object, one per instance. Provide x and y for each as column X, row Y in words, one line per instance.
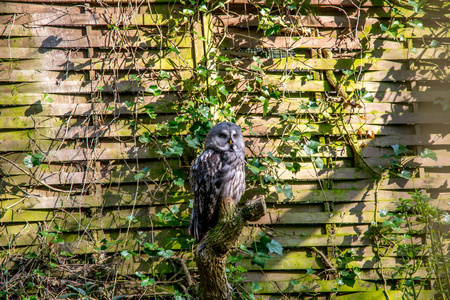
column 216, row 174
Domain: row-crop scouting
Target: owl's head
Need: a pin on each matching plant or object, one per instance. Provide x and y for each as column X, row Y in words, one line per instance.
column 225, row 136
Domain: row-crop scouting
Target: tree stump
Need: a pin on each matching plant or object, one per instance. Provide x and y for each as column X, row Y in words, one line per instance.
column 212, row 252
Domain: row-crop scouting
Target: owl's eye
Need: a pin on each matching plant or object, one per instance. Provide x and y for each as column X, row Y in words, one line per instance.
column 222, row 135
column 234, row 136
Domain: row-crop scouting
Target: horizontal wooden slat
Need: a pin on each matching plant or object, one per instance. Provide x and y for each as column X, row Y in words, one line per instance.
column 85, row 42
column 154, row 60
column 244, row 21
column 314, row 2
column 21, row 122
column 62, row 18
column 370, row 295
column 285, row 83
column 164, row 104
column 32, row 97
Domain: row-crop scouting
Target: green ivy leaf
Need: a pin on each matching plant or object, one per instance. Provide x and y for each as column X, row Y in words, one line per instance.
column 287, row 191
column 212, row 100
column 223, row 90
column 348, row 72
column 150, row 246
column 399, row 149
column 142, row 173
column 435, row 44
column 164, row 75
column 446, row 218
column 273, row 158
column 192, row 142
column 202, row 71
column 256, row 287
column 258, row 260
column 311, row 147
column 173, row 49
column 265, row 91
column 257, row 68
column 272, row 30
column 405, row 174
column 265, row 103
column 145, row 138
column 132, row 219
column 165, row 253
column 135, row 77
column 383, row 212
column 179, row 182
column 427, row 153
column 293, row 167
column 416, row 23
column 368, row 97
column 276, row 247
column 68, row 295
column 128, row 103
column 126, row 254
column 416, row 5
column 310, row 271
column 153, row 89
column 150, row 110
column 47, row 98
column 147, row 281
column 187, row 12
column 319, row 163
column 445, row 103
column 33, row 160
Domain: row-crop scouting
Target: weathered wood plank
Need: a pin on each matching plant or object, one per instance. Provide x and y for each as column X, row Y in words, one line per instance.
column 28, row 122
column 24, row 7
column 42, row 23
column 159, row 60
column 386, row 141
column 165, row 103
column 9, row 98
column 309, row 64
column 19, row 140
column 260, row 126
column 404, row 75
column 418, row 53
column 440, row 184
column 116, row 175
column 374, row 295
column 246, row 21
column 39, row 76
column 314, row 2
column 31, row 53
column 142, row 41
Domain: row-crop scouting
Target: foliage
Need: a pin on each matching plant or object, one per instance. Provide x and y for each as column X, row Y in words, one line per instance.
column 398, row 234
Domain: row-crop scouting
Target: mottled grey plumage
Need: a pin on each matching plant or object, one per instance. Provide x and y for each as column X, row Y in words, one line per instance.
column 216, row 174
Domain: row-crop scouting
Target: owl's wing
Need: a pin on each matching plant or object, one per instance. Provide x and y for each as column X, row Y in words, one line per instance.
column 205, row 184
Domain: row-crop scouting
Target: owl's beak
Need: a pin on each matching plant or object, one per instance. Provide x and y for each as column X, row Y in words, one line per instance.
column 231, row 141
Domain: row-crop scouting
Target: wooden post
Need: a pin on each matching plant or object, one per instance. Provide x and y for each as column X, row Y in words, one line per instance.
column 212, row 251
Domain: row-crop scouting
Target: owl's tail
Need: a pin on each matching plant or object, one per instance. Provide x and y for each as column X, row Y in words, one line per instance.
column 195, row 229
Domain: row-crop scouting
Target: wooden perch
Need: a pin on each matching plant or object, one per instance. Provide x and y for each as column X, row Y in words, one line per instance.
column 212, row 251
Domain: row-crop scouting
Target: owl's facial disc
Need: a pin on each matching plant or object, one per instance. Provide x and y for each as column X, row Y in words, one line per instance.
column 225, row 137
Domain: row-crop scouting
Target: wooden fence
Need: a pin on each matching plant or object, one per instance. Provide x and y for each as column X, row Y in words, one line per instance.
column 81, row 185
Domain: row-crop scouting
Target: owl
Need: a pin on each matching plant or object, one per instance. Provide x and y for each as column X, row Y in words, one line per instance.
column 216, row 175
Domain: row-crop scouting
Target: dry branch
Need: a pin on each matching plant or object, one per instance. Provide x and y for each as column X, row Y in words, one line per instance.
column 212, row 251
